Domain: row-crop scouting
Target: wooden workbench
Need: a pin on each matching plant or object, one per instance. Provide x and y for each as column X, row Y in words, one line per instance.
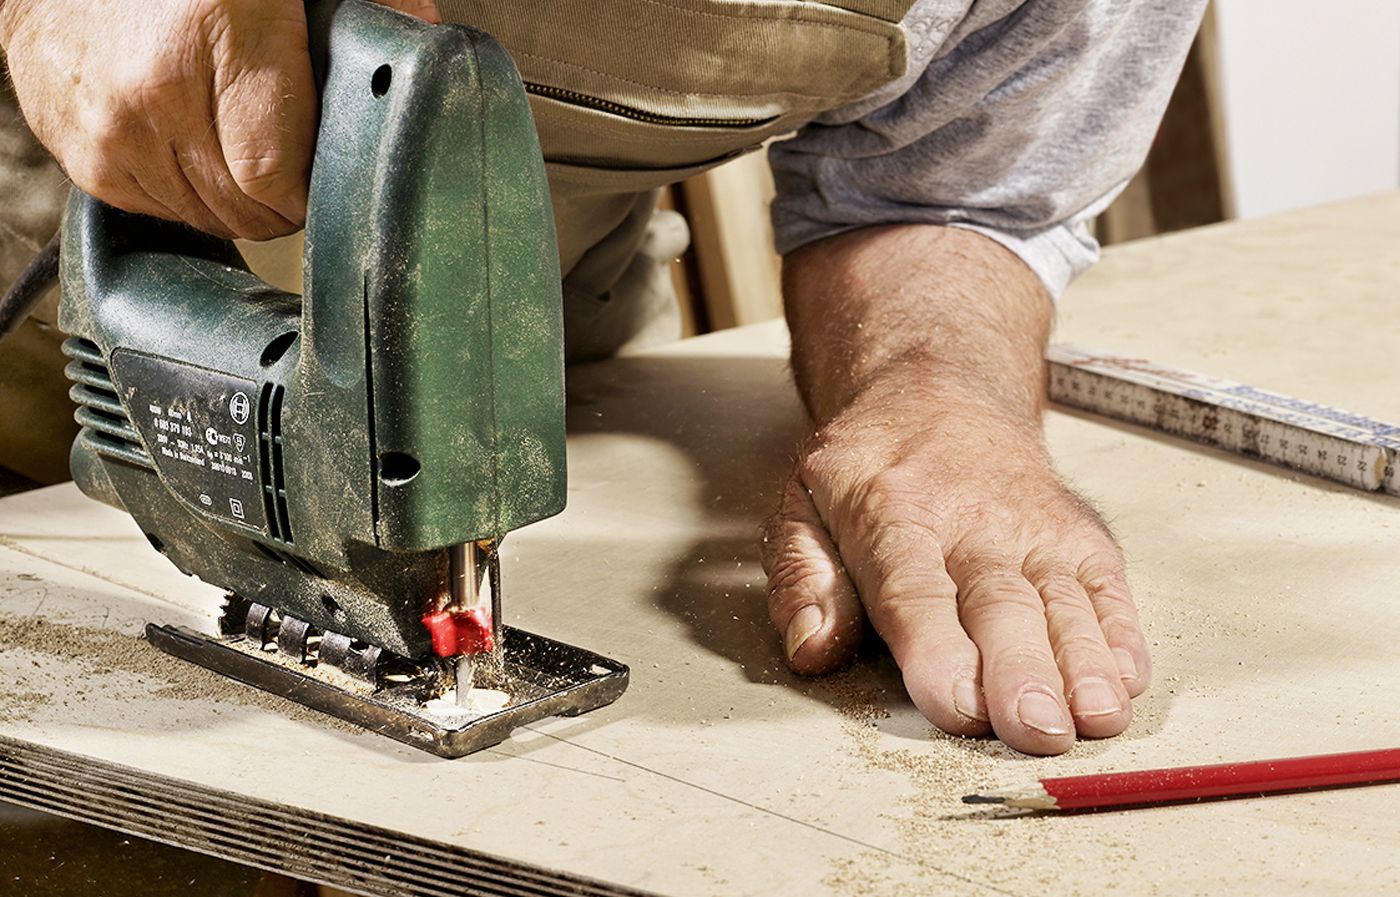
column 1269, row 597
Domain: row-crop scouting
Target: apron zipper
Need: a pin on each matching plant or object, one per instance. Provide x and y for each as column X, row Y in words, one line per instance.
column 575, row 98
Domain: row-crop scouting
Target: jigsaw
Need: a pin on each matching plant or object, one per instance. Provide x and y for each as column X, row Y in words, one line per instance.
column 345, row 463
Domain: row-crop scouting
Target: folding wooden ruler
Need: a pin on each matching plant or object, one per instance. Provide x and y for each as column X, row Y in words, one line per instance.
column 1306, row 436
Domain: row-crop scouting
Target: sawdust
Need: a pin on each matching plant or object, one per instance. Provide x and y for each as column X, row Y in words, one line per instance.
column 17, row 705
column 988, row 850
column 104, row 653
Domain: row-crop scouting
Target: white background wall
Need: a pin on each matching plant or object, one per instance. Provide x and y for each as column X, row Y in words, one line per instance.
column 1311, row 100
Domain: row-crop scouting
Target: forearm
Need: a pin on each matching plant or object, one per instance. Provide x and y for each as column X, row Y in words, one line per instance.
column 919, row 312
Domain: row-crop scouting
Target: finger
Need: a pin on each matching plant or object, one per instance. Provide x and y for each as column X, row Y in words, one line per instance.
column 175, row 205
column 165, row 183
column 121, row 189
column 810, row 598
column 141, row 175
column 1097, row 698
column 1005, row 617
column 897, row 564
column 203, row 165
column 114, row 157
column 265, row 126
column 1106, row 584
column 266, row 129
column 424, row 9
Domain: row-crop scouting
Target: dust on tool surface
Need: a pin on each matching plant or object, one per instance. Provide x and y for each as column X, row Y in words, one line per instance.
column 346, row 463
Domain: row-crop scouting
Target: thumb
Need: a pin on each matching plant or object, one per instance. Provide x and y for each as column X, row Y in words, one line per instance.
column 810, row 597
column 422, row 9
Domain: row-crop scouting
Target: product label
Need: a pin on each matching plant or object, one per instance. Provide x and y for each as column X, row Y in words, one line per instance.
column 201, row 429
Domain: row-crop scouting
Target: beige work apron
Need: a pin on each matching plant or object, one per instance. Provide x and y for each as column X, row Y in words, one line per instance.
column 632, row 95
column 628, row 96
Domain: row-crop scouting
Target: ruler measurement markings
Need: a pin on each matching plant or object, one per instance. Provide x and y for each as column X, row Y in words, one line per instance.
column 1316, row 439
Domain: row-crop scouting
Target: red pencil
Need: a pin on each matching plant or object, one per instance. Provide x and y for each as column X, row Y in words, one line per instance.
column 1159, row 786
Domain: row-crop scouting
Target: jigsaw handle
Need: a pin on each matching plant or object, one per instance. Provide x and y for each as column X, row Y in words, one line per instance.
column 105, row 249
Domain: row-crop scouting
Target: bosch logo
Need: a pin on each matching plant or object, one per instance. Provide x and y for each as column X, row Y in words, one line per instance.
column 238, row 408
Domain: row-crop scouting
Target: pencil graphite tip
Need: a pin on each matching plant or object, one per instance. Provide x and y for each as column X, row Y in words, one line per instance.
column 983, row 799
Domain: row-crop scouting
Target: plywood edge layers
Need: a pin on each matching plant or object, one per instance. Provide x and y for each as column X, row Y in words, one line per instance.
column 325, row 849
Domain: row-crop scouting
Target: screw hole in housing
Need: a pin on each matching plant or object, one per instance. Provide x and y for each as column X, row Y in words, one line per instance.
column 379, row 82
column 397, row 468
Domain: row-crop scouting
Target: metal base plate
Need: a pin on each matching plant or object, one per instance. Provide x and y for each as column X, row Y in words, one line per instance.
column 543, row 677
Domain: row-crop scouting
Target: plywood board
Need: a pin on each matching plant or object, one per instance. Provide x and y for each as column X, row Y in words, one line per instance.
column 1267, row 596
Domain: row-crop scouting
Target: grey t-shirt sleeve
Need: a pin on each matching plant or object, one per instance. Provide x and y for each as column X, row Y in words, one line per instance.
column 1027, row 120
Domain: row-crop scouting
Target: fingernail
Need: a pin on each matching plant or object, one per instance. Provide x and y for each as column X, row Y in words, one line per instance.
column 967, row 700
column 1127, row 667
column 1042, row 713
column 1094, row 697
column 803, row 625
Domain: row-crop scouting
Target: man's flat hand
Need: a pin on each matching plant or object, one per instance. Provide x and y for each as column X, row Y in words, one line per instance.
column 999, row 592
column 202, row 111
column 926, row 502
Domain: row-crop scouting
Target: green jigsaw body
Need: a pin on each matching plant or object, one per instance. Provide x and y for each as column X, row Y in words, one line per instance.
column 318, row 454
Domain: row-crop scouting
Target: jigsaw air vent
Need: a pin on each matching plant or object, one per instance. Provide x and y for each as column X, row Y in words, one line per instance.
column 274, row 485
column 106, row 427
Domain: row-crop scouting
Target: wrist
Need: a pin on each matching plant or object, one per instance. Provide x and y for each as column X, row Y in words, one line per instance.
column 945, row 314
column 925, row 384
column 903, row 407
